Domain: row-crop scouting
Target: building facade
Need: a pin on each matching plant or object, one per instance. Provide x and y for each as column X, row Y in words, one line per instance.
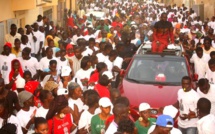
column 23, row 12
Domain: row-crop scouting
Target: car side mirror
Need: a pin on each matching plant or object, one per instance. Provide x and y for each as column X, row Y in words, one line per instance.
column 195, row 77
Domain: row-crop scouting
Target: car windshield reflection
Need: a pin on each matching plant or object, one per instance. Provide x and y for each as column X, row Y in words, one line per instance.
column 162, row 71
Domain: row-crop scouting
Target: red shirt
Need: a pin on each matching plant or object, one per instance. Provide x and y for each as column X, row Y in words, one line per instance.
column 60, row 126
column 94, row 77
column 102, row 91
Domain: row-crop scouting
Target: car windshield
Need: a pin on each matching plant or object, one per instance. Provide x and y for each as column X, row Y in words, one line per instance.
column 157, row 70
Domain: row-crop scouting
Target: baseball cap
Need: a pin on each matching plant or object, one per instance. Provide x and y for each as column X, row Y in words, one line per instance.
column 144, row 106
column 62, row 91
column 105, row 102
column 163, row 121
column 24, row 96
column 8, row 44
column 170, row 110
column 20, row 82
column 65, row 71
column 108, row 74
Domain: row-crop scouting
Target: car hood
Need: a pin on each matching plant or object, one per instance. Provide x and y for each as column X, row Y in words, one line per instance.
column 156, row 95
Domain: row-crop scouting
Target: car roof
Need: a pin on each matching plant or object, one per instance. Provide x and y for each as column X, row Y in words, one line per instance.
column 158, row 56
column 175, row 50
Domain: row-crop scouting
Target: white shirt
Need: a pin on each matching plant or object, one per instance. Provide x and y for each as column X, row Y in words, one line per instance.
column 78, row 102
column 87, row 37
column 30, row 40
column 82, row 74
column 75, row 38
column 13, row 120
column 101, row 57
column 200, row 64
column 40, row 23
column 44, row 62
column 109, row 64
column 210, row 76
column 211, row 24
column 210, row 96
column 112, row 128
column 36, row 46
column 31, row 65
column 173, row 130
column 41, row 112
column 187, row 101
column 206, row 125
column 11, row 39
column 22, row 46
column 87, row 52
column 85, row 120
column 62, row 63
column 5, row 66
column 25, row 116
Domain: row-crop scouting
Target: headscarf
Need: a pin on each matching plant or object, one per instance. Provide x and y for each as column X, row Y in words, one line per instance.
column 13, row 71
column 69, row 46
column 31, row 86
column 59, row 103
column 24, row 96
column 50, row 85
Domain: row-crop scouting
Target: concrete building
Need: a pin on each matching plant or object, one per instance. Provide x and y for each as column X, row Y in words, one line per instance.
column 22, row 12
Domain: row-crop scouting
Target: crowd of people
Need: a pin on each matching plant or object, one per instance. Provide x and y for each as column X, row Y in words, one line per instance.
column 61, row 80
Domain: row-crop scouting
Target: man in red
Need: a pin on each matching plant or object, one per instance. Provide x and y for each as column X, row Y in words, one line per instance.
column 162, row 34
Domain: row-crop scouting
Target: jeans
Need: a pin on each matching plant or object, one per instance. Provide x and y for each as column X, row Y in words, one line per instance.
column 189, row 130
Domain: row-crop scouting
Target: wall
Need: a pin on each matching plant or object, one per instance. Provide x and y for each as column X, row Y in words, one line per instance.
column 6, row 10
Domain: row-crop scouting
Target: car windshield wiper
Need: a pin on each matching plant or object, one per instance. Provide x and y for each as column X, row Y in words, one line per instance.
column 134, row 80
column 161, row 83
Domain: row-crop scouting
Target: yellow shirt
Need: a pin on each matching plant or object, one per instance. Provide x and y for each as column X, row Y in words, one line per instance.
column 17, row 53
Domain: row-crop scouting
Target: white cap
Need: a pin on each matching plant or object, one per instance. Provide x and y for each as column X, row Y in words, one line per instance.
column 20, row 82
column 133, row 23
column 90, row 26
column 62, row 91
column 65, row 71
column 170, row 110
column 143, row 107
column 108, row 74
column 72, row 43
column 105, row 102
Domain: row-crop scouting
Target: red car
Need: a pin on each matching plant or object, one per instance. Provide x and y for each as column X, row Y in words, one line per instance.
column 154, row 78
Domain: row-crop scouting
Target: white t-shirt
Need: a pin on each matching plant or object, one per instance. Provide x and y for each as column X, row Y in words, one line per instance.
column 173, row 131
column 112, row 128
column 200, row 64
column 210, row 96
column 87, row 37
column 87, row 52
column 85, row 120
column 75, row 38
column 101, row 57
column 211, row 24
column 41, row 112
column 82, row 74
column 206, row 125
column 25, row 116
column 13, row 120
column 118, row 63
column 44, row 62
column 36, row 46
column 22, row 46
column 109, row 64
column 78, row 102
column 62, row 63
column 210, row 76
column 30, row 40
column 31, row 65
column 187, row 101
column 5, row 66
